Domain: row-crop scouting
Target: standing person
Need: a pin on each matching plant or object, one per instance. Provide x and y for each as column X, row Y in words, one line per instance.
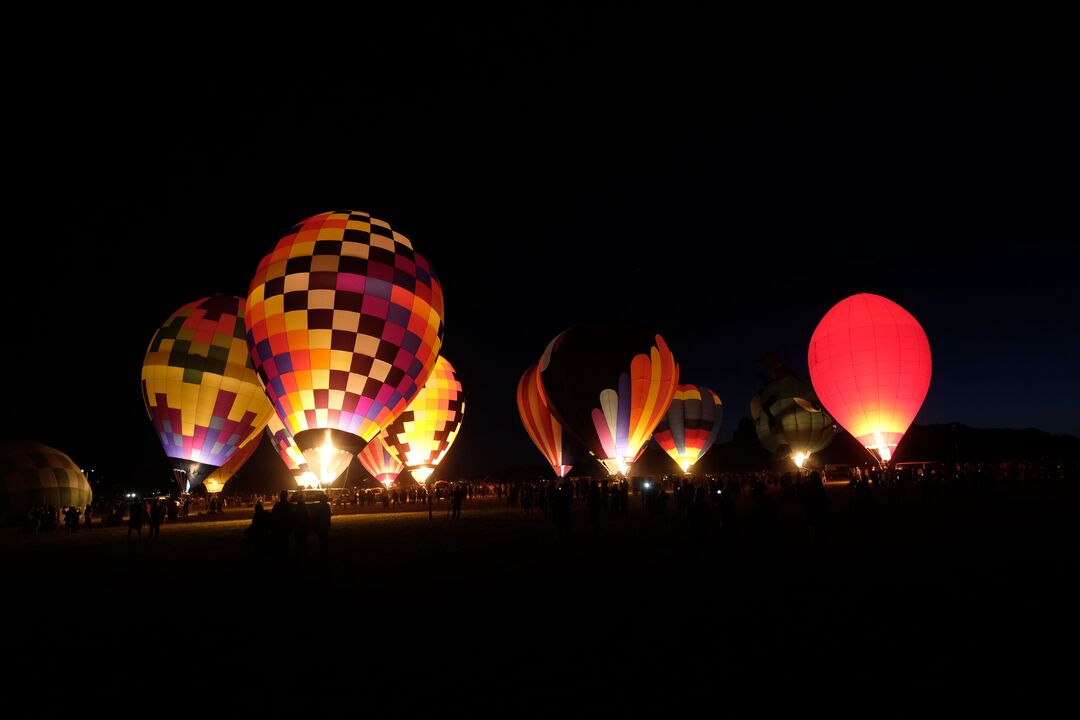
column 86, row 516
column 281, row 525
column 320, row 517
column 456, row 498
column 594, row 505
column 155, row 519
column 135, row 519
column 301, row 526
column 698, row 520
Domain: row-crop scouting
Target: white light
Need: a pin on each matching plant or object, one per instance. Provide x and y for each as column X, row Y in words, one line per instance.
column 686, row 465
column 421, row 474
column 799, row 459
column 648, row 485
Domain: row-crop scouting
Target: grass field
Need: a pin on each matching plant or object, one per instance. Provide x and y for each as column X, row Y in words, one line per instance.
column 975, row 598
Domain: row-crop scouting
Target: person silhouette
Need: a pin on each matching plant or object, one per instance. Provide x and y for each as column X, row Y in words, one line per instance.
column 301, row 526
column 320, row 517
column 281, row 525
column 135, row 519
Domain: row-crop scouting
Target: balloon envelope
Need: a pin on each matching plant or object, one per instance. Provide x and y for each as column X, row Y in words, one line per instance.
column 286, row 448
column 556, row 445
column 200, row 388
column 787, row 414
column 691, row 424
column 215, row 481
column 422, row 435
column 32, row 474
column 344, row 322
column 870, row 365
column 609, row 384
column 380, row 462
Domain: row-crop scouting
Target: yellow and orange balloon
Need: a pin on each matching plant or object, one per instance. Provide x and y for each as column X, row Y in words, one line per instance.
column 422, row 435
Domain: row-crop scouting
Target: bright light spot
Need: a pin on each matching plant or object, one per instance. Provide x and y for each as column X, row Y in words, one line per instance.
column 308, row 480
column 648, row 485
column 799, row 459
column 686, row 465
column 421, row 474
column 388, row 482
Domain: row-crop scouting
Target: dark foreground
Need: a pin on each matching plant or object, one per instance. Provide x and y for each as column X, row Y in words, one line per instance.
column 970, row 598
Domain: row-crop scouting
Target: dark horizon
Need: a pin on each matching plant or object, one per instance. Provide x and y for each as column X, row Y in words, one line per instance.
column 719, row 178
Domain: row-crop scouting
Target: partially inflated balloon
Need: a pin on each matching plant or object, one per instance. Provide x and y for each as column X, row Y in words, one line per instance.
column 215, row 481
column 32, row 475
column 423, row 434
column 870, row 364
column 609, row 385
column 286, row 448
column 556, row 445
column 200, row 387
column 788, row 418
column 691, row 425
column 345, row 322
column 380, row 462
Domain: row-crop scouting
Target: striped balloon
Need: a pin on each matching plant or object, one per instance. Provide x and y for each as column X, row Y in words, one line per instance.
column 609, row 384
column 554, row 443
column 378, row 461
column 691, row 425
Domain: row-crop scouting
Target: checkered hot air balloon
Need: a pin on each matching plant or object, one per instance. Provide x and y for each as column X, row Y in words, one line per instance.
column 32, row 474
column 200, row 388
column 556, row 444
column 344, row 323
column 380, row 462
column 870, row 365
column 422, row 435
column 691, row 425
column 609, row 384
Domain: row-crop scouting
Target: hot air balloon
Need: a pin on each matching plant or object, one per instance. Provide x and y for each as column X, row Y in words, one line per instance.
column 691, row 425
column 200, row 387
column 423, row 434
column 344, row 323
column 610, row 385
column 286, row 448
column 870, row 365
column 789, row 419
column 556, row 445
column 32, row 474
column 380, row 462
column 215, row 481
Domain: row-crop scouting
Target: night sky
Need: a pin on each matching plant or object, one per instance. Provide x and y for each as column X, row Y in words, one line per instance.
column 721, row 176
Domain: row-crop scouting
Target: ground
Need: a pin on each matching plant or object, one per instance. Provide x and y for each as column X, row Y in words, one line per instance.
column 971, row 597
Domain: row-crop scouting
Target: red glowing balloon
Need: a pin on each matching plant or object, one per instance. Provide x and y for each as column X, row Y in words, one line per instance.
column 870, row 365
